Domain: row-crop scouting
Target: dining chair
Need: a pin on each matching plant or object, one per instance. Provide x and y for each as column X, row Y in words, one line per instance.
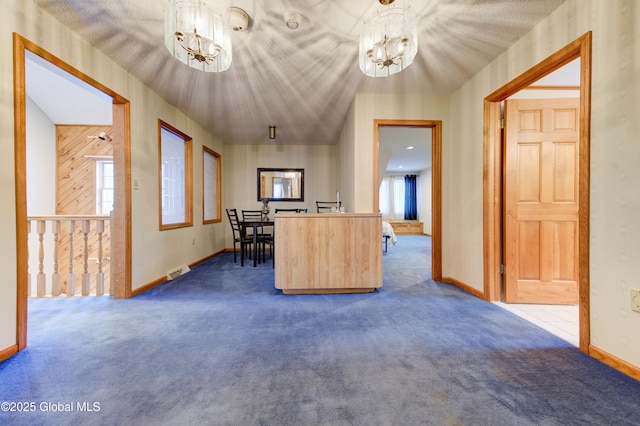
column 287, row 210
column 325, row 206
column 264, row 238
column 244, row 242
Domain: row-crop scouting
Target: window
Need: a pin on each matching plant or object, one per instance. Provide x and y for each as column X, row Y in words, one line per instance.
column 104, row 187
column 211, row 197
column 174, row 171
column 392, row 197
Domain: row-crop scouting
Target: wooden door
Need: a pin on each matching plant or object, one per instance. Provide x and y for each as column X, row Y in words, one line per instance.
column 541, row 201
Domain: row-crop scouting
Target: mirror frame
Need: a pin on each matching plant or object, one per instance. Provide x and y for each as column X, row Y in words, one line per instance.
column 259, row 187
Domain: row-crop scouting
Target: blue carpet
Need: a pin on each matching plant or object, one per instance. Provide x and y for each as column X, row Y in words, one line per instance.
column 221, row 346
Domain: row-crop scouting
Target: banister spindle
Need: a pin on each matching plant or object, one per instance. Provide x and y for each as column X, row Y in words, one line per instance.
column 71, row 277
column 55, row 277
column 100, row 274
column 29, row 289
column 86, row 278
column 41, row 290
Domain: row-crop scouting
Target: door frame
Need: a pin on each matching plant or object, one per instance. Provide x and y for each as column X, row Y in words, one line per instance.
column 493, row 172
column 121, row 218
column 436, row 181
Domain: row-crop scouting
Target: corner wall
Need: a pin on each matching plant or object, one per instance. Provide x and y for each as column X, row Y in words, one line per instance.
column 615, row 154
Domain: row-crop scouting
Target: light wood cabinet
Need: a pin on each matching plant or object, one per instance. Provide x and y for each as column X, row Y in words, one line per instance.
column 328, row 253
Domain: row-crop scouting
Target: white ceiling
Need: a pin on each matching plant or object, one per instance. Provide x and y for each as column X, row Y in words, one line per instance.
column 64, row 98
column 303, row 81
column 408, row 149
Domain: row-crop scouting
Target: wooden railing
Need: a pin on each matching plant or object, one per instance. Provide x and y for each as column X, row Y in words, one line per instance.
column 69, row 255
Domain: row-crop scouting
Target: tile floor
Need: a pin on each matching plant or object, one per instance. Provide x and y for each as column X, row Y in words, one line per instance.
column 560, row 320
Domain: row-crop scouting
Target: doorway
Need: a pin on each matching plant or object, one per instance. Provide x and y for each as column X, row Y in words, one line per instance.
column 436, row 181
column 494, row 221
column 121, row 219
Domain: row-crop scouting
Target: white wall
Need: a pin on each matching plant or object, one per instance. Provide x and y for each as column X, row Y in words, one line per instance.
column 425, row 208
column 41, row 162
column 615, row 155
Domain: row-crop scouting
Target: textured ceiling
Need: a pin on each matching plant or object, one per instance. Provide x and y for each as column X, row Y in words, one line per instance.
column 303, row 81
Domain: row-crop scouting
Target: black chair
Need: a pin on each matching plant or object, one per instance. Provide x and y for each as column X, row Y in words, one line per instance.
column 244, row 242
column 264, row 238
column 325, row 206
column 303, row 210
column 288, row 210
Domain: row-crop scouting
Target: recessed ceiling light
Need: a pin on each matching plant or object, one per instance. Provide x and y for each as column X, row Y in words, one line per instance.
column 410, row 147
column 401, row 167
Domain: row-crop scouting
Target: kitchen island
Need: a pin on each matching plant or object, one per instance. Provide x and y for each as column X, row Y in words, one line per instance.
column 320, row 253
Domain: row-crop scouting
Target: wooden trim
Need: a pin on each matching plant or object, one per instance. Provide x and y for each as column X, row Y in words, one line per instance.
column 376, row 166
column 549, row 87
column 121, row 252
column 188, row 178
column 492, row 200
column 204, row 259
column 20, row 167
column 148, row 286
column 465, row 287
column 218, row 158
column 436, row 201
column 8, row 352
column 584, row 201
column 492, row 203
column 436, row 181
column 615, row 362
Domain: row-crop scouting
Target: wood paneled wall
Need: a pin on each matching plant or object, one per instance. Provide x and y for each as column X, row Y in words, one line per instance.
column 76, row 192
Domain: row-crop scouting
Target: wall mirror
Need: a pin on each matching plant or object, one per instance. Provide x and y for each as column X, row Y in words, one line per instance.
column 281, row 184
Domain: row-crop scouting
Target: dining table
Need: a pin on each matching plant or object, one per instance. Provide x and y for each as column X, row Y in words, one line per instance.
column 254, row 224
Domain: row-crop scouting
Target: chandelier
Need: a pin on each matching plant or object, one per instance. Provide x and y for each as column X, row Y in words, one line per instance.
column 389, row 40
column 197, row 36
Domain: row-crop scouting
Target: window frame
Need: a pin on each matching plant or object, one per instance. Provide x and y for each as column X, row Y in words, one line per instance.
column 187, row 166
column 101, row 188
column 217, row 185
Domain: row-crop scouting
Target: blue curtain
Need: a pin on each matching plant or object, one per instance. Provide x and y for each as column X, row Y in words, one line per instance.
column 410, row 199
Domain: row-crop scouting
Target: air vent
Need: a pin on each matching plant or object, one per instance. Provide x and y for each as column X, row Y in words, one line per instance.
column 177, row 272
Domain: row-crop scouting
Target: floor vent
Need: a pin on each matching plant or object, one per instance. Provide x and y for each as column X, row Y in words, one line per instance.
column 177, row 272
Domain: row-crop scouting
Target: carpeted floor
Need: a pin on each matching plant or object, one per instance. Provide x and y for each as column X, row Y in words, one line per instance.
column 221, row 346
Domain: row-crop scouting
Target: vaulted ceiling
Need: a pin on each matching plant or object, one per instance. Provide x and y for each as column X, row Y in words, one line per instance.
column 303, row 81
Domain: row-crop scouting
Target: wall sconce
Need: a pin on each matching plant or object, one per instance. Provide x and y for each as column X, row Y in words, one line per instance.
column 272, row 132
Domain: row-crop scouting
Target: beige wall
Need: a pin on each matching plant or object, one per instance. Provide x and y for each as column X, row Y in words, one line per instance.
column 240, row 167
column 369, row 107
column 345, row 158
column 615, row 155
